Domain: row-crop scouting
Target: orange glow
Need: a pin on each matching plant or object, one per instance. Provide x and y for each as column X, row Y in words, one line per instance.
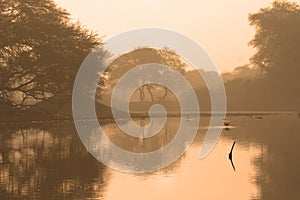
column 221, row 27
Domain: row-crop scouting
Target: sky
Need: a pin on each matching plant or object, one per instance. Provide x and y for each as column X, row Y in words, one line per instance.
column 220, row 26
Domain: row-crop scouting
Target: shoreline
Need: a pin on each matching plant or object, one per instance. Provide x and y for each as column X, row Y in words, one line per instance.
column 35, row 119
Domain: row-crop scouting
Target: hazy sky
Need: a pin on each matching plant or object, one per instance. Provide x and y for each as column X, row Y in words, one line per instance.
column 219, row 26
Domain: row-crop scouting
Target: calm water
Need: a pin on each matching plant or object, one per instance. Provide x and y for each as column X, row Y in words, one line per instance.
column 48, row 161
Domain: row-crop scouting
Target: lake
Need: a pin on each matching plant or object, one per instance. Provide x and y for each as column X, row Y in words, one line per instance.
column 48, row 161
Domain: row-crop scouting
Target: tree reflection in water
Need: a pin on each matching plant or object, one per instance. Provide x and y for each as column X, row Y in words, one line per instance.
column 48, row 162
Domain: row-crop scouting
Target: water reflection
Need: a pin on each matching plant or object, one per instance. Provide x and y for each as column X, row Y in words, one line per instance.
column 48, row 161
column 137, row 154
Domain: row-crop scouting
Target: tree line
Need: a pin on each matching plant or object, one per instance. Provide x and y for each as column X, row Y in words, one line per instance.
column 41, row 50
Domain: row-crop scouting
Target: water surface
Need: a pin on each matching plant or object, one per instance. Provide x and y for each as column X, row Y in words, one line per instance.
column 48, row 161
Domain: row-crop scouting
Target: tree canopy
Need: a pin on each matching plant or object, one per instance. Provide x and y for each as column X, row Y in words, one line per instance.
column 141, row 56
column 41, row 50
column 277, row 38
column 277, row 44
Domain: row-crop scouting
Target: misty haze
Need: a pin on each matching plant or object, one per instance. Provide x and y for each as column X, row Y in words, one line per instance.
column 43, row 156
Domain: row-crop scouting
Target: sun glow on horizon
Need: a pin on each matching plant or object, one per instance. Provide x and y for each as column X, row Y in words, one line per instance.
column 220, row 27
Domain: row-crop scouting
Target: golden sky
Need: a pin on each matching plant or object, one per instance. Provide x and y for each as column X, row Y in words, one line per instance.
column 219, row 26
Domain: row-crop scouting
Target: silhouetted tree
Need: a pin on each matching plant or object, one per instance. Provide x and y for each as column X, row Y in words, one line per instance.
column 40, row 50
column 277, row 44
column 142, row 56
column 277, row 38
